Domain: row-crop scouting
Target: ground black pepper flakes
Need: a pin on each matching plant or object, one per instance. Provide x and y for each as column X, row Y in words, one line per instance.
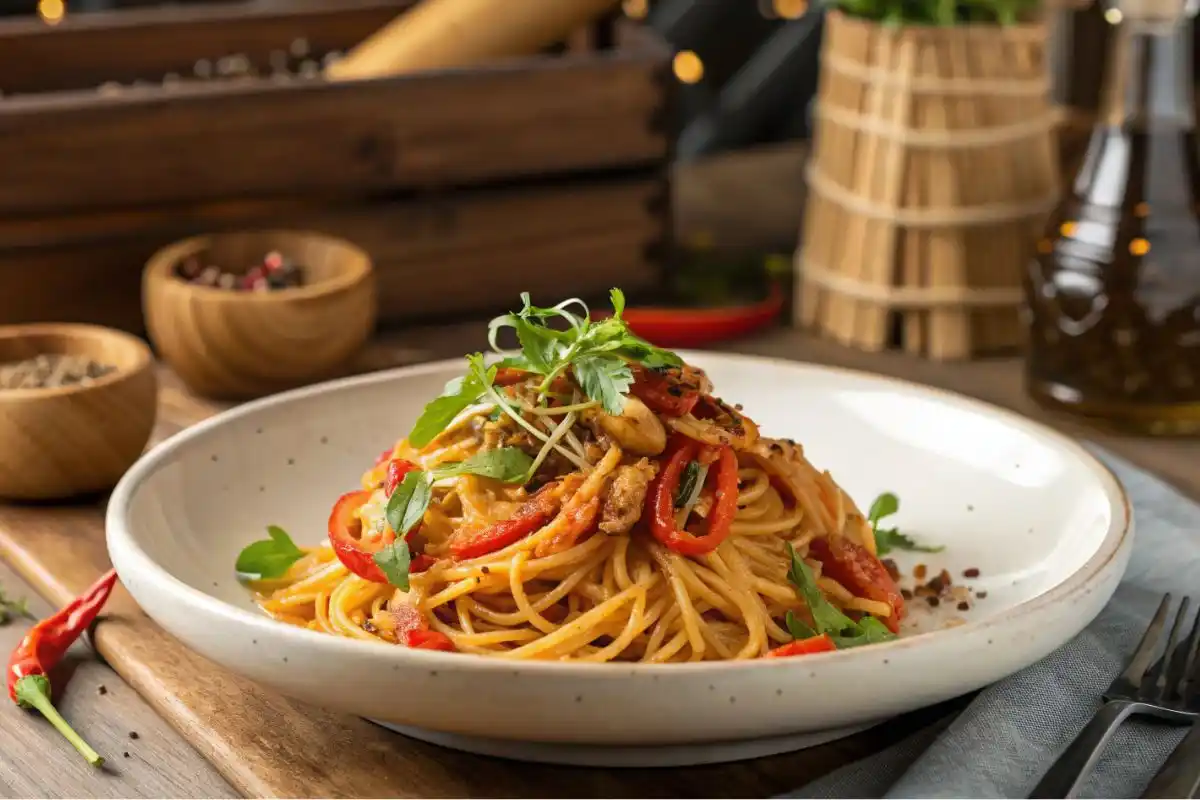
column 971, row 573
column 964, row 606
column 933, row 601
column 133, row 735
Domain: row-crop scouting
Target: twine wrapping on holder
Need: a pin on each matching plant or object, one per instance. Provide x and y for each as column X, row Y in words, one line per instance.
column 934, row 165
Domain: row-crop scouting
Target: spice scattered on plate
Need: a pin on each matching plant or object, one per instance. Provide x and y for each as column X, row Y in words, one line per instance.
column 133, row 734
column 102, row 689
column 272, row 273
column 51, row 371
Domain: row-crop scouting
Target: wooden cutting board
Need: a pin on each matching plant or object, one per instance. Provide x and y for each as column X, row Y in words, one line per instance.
column 266, row 745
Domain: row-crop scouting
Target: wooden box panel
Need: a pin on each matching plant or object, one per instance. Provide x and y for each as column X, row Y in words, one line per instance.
column 437, row 255
column 192, row 142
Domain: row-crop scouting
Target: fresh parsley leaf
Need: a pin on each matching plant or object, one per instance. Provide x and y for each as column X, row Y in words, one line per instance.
column 884, row 506
column 269, row 558
column 798, row 629
column 604, row 379
column 394, row 561
column 507, row 464
column 407, row 504
column 687, row 483
column 827, row 618
column 458, row 394
column 868, row 630
column 889, row 539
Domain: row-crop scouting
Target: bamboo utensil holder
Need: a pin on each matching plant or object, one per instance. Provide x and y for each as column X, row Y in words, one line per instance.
column 77, row 439
column 934, row 165
column 237, row 345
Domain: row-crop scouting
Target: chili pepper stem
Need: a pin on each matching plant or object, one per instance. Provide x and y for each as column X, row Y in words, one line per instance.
column 34, row 691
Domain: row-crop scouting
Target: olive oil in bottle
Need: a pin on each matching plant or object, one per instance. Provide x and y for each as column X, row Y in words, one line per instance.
column 1114, row 292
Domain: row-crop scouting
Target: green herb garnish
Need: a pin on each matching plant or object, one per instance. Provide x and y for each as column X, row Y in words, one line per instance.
column 827, row 618
column 13, row 607
column 687, row 484
column 269, row 558
column 458, row 394
column 394, row 561
column 507, row 464
column 889, row 539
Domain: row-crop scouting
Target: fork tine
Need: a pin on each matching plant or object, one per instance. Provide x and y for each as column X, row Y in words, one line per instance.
column 1189, row 681
column 1172, row 658
column 1144, row 655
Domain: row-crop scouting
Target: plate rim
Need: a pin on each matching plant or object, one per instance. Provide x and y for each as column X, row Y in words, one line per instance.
column 136, row 560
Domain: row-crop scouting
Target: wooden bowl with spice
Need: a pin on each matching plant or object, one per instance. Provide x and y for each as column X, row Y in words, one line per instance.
column 241, row 315
column 77, row 404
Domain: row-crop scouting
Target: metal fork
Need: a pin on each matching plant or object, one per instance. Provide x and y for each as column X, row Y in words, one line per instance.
column 1167, row 690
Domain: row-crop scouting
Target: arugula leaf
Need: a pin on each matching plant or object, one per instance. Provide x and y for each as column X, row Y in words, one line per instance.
column 889, row 539
column 687, row 483
column 407, row 504
column 507, row 464
column 605, row 380
column 269, row 558
column 827, row 618
column 458, row 394
column 394, row 561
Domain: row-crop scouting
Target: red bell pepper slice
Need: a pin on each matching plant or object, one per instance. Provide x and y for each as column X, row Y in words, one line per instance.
column 664, row 392
column 533, row 514
column 397, row 469
column 723, row 480
column 803, row 647
column 507, row 376
column 413, row 631
column 853, row 566
column 346, row 536
column 386, row 455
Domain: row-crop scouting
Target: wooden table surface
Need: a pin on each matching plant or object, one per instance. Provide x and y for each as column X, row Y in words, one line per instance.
column 149, row 759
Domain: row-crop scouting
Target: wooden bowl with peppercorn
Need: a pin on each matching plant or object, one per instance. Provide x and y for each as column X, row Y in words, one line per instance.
column 241, row 315
column 77, row 404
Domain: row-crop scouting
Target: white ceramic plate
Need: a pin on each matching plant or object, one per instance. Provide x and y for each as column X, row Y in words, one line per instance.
column 1046, row 524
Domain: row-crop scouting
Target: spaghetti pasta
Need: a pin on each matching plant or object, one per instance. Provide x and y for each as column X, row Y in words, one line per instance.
column 536, row 513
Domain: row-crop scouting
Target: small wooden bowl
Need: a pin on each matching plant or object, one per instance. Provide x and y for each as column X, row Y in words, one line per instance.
column 72, row 440
column 238, row 345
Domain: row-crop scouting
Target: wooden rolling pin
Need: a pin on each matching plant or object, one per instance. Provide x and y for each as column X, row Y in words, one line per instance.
column 440, row 34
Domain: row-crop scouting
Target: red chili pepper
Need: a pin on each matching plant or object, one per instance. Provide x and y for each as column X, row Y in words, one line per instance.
column 853, row 566
column 723, row 480
column 397, row 469
column 507, row 376
column 533, row 514
column 413, row 631
column 420, row 563
column 345, row 534
column 803, row 647
column 44, row 646
column 386, row 455
column 664, row 393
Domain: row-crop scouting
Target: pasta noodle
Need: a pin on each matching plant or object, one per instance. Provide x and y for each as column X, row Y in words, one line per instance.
column 663, row 533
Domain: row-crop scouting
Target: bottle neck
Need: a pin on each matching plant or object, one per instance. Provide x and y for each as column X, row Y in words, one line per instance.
column 1149, row 76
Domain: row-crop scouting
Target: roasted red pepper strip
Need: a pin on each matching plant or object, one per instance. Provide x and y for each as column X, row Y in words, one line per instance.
column 345, row 534
column 397, row 469
column 663, row 392
column 420, row 563
column 413, row 631
column 853, row 566
column 533, row 514
column 804, row 647
column 44, row 646
column 722, row 478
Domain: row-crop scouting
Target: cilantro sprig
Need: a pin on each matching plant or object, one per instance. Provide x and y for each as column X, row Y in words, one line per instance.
column 889, row 539
column 407, row 505
column 828, row 618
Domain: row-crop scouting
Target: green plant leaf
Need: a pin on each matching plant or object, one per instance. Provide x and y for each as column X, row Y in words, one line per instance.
column 507, row 464
column 269, row 558
column 406, row 507
column 605, row 379
column 394, row 561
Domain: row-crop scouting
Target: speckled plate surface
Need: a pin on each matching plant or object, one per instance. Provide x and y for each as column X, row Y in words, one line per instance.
column 1046, row 525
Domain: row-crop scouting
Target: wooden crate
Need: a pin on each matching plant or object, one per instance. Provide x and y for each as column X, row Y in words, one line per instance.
column 545, row 174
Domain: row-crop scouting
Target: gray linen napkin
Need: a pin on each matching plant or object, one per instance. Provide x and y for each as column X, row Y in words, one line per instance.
column 1006, row 739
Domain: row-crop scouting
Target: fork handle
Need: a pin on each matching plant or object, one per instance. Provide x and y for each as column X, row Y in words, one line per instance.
column 1082, row 754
